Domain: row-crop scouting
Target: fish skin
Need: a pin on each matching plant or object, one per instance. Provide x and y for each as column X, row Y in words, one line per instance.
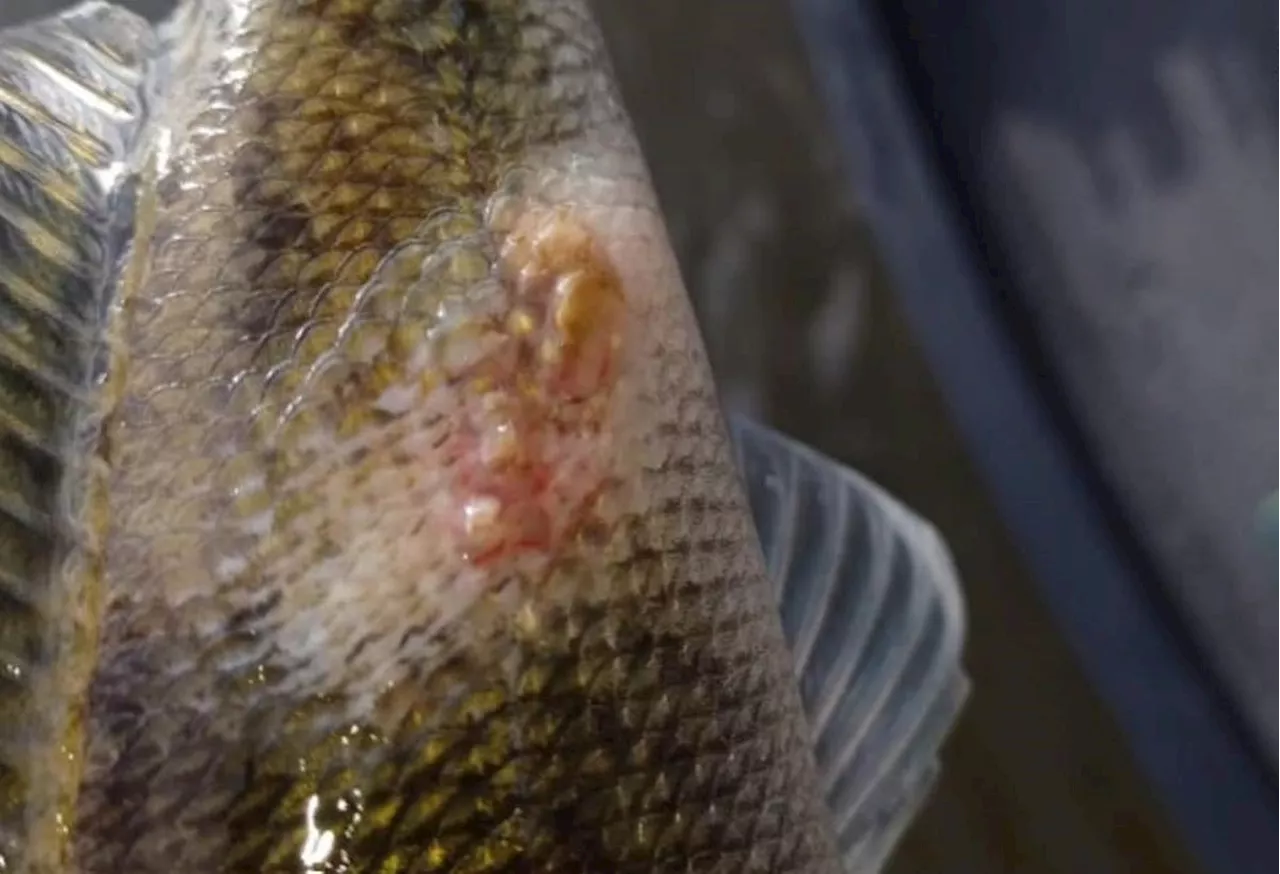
column 65, row 225
column 391, row 238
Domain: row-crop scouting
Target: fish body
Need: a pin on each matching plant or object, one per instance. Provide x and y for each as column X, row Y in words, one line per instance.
column 427, row 551
column 421, row 543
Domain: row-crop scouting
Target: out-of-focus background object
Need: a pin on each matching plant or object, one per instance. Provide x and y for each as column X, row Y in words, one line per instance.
column 1077, row 204
column 1013, row 261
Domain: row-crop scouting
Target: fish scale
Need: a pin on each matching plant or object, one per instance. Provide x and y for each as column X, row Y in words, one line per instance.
column 302, row 667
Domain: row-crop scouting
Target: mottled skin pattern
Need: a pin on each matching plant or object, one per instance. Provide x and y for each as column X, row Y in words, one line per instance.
column 389, row 237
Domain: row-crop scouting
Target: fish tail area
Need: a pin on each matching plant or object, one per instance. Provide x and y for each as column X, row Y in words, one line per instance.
column 71, row 108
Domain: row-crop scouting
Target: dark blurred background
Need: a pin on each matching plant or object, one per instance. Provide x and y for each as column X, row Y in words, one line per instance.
column 805, row 331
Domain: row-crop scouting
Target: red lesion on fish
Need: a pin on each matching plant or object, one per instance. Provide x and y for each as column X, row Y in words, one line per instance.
column 530, row 460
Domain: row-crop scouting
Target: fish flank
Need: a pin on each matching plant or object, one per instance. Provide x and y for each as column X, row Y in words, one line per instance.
column 402, row 528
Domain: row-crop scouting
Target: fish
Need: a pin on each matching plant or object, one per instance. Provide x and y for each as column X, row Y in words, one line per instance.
column 383, row 517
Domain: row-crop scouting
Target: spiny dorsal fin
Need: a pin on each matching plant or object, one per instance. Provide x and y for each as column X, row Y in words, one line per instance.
column 72, row 108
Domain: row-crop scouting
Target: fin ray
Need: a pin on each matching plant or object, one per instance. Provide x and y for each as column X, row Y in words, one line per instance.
column 871, row 607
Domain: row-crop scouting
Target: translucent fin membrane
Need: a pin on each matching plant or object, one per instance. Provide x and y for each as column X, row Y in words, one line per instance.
column 872, row 609
column 71, row 112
